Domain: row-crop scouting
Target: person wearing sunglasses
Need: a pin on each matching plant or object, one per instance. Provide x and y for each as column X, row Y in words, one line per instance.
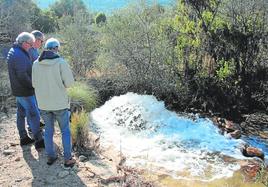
column 20, row 75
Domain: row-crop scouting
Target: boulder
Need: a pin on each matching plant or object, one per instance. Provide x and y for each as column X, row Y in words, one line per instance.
column 236, row 134
column 252, row 152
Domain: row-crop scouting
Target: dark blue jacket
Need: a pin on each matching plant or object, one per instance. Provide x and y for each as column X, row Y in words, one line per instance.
column 20, row 71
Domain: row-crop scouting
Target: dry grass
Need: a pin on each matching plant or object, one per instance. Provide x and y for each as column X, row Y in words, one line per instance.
column 79, row 130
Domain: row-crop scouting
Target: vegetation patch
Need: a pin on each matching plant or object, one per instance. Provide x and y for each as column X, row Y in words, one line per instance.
column 82, row 97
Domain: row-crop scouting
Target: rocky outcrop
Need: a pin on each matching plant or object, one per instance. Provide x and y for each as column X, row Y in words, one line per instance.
column 235, row 131
column 255, row 124
column 229, row 127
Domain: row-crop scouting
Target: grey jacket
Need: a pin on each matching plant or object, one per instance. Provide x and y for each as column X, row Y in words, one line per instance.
column 50, row 77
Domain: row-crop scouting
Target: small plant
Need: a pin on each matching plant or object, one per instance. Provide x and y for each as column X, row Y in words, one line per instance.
column 79, row 129
column 225, row 70
column 262, row 176
column 82, row 97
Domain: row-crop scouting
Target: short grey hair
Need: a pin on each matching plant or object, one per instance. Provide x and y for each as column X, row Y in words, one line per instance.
column 37, row 34
column 25, row 37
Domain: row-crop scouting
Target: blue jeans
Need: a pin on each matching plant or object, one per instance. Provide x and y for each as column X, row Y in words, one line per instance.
column 27, row 106
column 62, row 116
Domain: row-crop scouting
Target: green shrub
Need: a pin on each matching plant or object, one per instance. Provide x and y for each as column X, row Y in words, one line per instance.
column 82, row 97
column 262, row 176
column 100, row 18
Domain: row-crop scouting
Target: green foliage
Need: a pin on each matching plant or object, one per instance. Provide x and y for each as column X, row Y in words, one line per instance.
column 100, row 18
column 45, row 21
column 262, row 176
column 80, row 44
column 67, row 7
column 79, row 129
column 138, row 56
column 83, row 95
column 189, row 38
column 15, row 17
column 225, row 69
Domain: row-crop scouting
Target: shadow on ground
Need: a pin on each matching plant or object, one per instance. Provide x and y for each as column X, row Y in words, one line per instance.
column 45, row 175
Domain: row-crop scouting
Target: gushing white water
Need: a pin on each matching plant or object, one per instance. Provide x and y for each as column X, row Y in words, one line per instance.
column 150, row 136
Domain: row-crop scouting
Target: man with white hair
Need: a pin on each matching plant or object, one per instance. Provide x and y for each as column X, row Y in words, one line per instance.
column 51, row 77
column 20, row 75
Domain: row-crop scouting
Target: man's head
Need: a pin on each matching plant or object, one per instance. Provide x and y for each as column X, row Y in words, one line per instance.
column 25, row 40
column 52, row 44
column 39, row 38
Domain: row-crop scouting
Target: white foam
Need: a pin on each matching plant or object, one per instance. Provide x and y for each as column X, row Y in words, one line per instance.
column 168, row 141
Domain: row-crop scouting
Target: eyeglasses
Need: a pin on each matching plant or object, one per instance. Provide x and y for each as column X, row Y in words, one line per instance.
column 31, row 44
column 42, row 41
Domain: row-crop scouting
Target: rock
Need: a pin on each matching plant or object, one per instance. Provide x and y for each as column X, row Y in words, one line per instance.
column 27, row 178
column 236, row 134
column 73, row 172
column 6, row 147
column 66, row 168
column 252, row 152
column 8, row 152
column 98, row 170
column 76, row 168
column 63, row 174
column 113, row 179
column 18, row 180
column 264, row 134
column 91, row 174
column 251, row 168
column 17, row 159
column 82, row 158
column 255, row 123
column 13, row 144
column 229, row 126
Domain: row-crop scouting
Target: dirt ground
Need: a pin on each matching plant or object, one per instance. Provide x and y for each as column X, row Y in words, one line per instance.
column 24, row 166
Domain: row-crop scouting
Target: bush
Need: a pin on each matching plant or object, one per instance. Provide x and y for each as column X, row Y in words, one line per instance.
column 79, row 129
column 82, row 97
column 80, row 43
column 262, row 175
column 100, row 18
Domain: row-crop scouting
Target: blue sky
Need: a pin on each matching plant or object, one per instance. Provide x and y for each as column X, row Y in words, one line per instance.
column 103, row 5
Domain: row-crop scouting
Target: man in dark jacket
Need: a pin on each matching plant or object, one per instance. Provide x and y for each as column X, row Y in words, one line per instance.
column 20, row 75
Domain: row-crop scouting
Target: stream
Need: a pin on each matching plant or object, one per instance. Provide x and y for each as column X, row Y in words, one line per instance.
column 181, row 148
